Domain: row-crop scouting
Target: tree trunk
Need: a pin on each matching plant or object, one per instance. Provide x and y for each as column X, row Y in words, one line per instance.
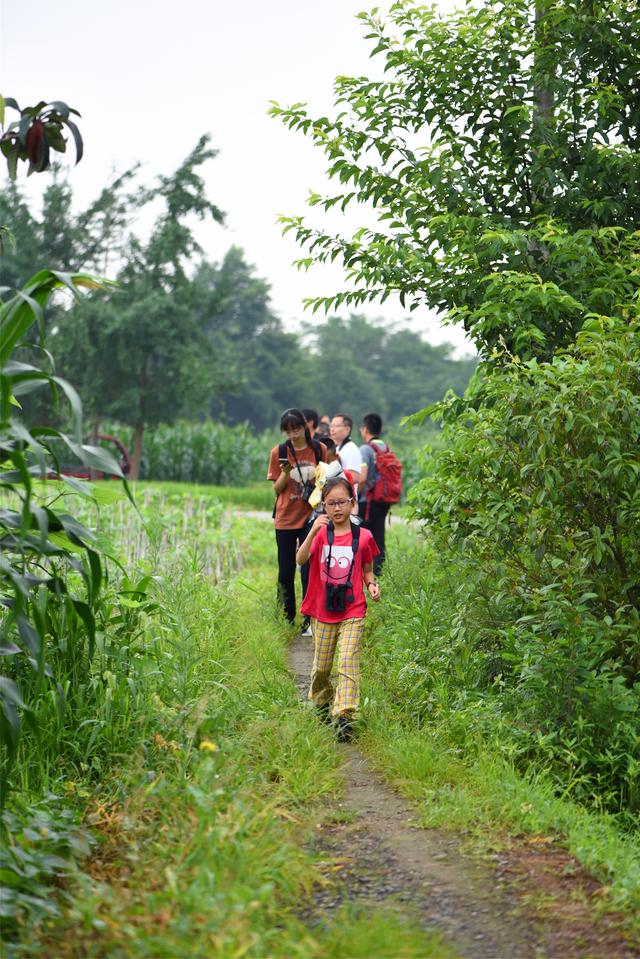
column 137, row 451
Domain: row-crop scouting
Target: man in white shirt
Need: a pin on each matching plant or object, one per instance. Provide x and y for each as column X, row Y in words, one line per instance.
column 348, row 451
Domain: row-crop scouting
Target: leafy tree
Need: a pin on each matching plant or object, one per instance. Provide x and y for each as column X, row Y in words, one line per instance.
column 500, row 153
column 88, row 241
column 22, row 244
column 370, row 365
column 140, row 354
column 534, row 509
column 264, row 367
column 359, row 366
column 94, row 239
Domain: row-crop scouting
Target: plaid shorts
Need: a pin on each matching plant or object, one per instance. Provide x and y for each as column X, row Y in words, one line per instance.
column 347, row 635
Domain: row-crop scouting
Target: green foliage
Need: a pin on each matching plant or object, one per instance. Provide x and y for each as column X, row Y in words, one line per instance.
column 535, row 509
column 38, row 130
column 222, row 778
column 96, row 703
column 51, row 568
column 499, row 153
column 396, row 371
column 197, row 332
column 206, row 453
column 253, row 383
column 453, row 752
column 45, row 844
column 152, row 361
column 256, row 496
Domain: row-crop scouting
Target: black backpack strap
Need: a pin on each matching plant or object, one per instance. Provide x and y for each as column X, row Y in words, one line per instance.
column 355, row 541
column 330, row 537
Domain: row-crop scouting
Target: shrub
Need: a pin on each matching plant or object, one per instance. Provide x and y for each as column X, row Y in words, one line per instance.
column 534, row 509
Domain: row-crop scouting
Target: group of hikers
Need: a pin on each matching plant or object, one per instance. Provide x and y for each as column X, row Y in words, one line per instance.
column 332, row 500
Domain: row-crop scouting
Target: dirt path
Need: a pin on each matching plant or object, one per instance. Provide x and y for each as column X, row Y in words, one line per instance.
column 383, row 857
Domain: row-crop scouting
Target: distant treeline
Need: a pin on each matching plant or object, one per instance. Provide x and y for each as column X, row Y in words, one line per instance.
column 182, row 337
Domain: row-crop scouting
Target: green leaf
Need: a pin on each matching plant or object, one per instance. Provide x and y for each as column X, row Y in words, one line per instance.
column 75, row 132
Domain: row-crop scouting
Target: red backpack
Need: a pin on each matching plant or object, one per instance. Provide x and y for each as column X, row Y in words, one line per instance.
column 388, row 485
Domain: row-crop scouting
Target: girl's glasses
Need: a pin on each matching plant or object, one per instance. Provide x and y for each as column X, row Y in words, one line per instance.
column 339, row 503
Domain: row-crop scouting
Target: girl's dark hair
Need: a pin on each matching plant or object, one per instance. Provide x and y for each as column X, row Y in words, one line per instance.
column 337, row 481
column 295, row 417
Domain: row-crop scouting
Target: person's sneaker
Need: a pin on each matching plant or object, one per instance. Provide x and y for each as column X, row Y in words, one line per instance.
column 344, row 729
column 306, row 627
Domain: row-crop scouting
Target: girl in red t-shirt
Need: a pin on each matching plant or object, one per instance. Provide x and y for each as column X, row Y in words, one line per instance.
column 336, row 603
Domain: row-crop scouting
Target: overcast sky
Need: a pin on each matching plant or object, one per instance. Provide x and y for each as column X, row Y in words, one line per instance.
column 151, row 76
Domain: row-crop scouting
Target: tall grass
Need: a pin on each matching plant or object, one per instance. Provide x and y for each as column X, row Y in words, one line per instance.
column 94, row 705
column 205, row 823
column 452, row 747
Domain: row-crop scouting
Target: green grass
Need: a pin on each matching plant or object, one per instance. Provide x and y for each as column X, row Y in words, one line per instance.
column 256, row 496
column 205, row 812
column 467, row 785
column 381, row 934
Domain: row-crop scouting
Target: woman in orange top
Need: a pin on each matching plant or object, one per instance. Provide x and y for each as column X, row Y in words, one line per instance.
column 293, row 478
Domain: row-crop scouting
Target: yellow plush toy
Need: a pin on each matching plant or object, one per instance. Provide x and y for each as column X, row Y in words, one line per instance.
column 324, row 471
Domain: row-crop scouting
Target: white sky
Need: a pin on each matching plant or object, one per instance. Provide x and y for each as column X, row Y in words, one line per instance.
column 151, row 76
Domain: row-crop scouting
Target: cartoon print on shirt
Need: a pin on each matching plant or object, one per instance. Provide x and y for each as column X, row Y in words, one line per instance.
column 299, row 476
column 341, row 557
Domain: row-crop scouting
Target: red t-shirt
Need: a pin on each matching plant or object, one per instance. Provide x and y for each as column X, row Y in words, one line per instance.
column 341, row 556
column 292, row 512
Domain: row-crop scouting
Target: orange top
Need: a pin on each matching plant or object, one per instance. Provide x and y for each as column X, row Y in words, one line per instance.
column 292, row 512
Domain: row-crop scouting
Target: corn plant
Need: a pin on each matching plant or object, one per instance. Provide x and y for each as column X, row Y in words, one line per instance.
column 51, row 570
column 206, row 453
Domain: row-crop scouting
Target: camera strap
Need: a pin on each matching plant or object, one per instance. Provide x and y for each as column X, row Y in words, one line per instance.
column 293, row 450
column 289, row 446
column 355, row 542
